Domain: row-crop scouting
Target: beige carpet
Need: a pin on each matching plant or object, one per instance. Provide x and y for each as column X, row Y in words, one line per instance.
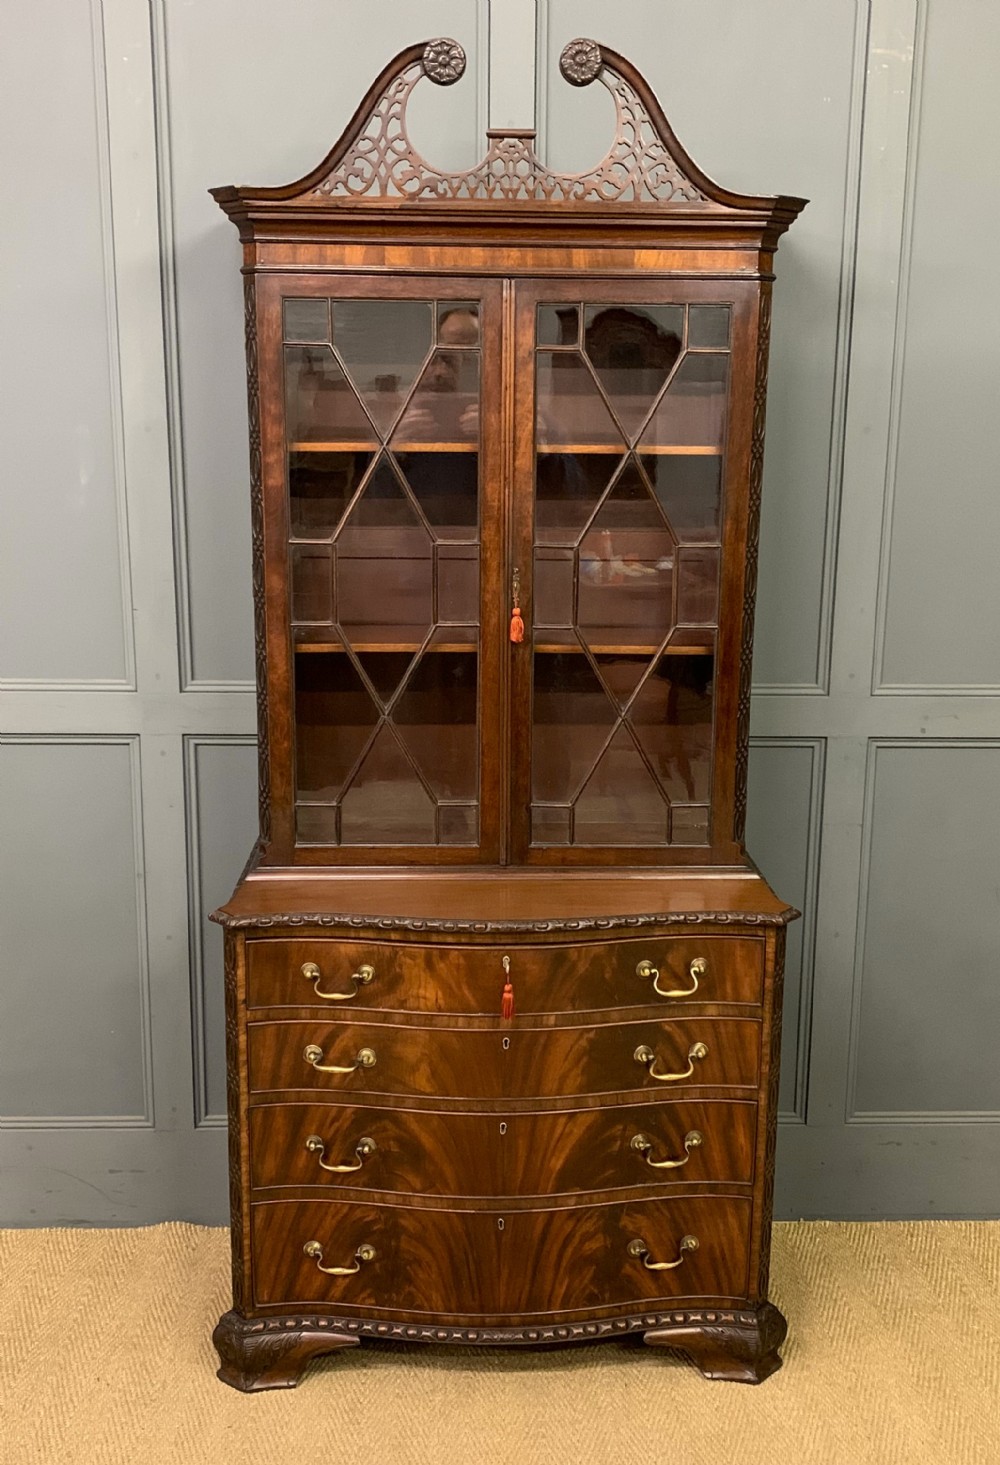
column 893, row 1358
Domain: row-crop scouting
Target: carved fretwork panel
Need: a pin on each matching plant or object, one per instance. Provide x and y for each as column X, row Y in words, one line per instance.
column 643, row 165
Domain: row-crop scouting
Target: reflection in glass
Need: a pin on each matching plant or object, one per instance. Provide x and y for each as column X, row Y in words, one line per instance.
column 320, row 404
column 558, row 325
column 633, row 350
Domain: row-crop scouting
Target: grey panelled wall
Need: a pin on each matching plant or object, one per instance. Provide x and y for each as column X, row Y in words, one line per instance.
column 127, row 767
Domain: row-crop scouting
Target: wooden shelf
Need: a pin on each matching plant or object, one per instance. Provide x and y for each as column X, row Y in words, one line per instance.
column 357, row 447
column 395, row 639
column 687, row 450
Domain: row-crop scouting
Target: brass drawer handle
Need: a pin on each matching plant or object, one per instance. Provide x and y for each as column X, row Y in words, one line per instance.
column 644, row 1054
column 360, row 978
column 362, row 1149
column 365, row 1059
column 644, row 1144
column 696, row 969
column 364, row 1253
column 639, row 1248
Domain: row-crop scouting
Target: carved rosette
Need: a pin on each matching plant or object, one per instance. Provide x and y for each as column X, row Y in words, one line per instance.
column 581, row 61
column 257, row 541
column 750, row 575
column 235, row 1118
column 443, row 61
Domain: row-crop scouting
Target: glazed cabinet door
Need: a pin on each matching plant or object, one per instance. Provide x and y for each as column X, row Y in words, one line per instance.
column 629, row 534
column 382, row 554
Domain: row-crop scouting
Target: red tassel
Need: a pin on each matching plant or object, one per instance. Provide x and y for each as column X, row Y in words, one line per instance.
column 507, row 1003
column 516, row 625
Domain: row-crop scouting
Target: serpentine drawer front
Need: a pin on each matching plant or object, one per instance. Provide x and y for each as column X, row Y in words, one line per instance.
column 520, row 1154
column 489, row 1264
column 527, row 1063
column 470, row 979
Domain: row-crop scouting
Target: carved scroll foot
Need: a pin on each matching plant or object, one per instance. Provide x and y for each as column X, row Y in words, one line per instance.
column 271, row 1353
column 741, row 1346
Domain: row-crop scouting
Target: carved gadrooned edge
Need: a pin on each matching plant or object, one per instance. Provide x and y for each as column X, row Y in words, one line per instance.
column 419, row 925
column 771, row 1144
column 257, row 541
column 234, row 1110
column 750, row 575
column 250, row 1329
column 644, row 164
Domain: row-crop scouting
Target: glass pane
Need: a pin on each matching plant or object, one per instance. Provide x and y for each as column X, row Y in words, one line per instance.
column 457, row 583
column 458, row 824
column 626, row 570
column 698, row 587
column 335, row 716
column 312, row 584
column 691, row 412
column 553, row 589
column 633, row 350
column 549, row 826
column 558, row 325
column 436, row 443
column 321, row 407
column 621, row 802
column 317, row 823
column 379, row 609
column 458, row 323
column 708, row 327
column 689, row 824
column 572, row 414
column 573, row 719
column 436, row 719
column 386, row 803
column 671, row 716
column 383, row 344
column 307, row 320
column 320, row 487
column 688, row 488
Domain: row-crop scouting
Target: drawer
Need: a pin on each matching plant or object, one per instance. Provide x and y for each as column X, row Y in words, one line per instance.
column 575, row 977
column 518, row 1154
column 494, row 1264
column 442, row 1062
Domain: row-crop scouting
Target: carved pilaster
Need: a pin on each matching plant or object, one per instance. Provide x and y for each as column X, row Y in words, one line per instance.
column 750, row 577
